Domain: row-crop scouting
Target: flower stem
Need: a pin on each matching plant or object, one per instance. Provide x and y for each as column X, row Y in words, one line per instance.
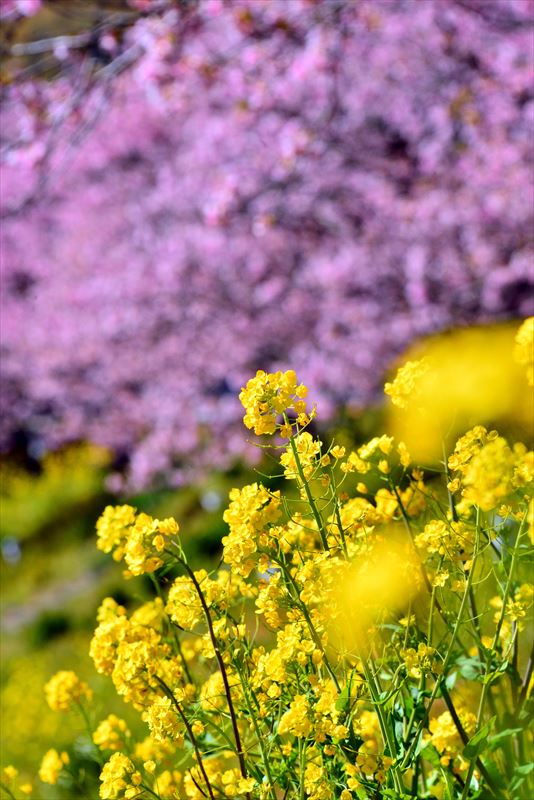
column 222, row 667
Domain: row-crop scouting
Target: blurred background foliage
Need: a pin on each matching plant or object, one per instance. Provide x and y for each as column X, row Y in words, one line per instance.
column 54, row 579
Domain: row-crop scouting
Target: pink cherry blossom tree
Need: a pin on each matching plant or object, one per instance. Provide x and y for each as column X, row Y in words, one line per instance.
column 204, row 189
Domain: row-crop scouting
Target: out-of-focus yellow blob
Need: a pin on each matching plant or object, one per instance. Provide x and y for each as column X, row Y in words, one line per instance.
column 378, row 585
column 456, row 380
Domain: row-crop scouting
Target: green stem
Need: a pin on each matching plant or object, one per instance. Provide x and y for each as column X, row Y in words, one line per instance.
column 315, row 636
column 98, row 755
column 222, row 668
column 408, row 526
column 526, row 680
column 386, row 735
column 301, row 770
column 172, row 627
column 452, row 506
column 7, row 790
column 335, row 501
column 487, row 678
column 148, row 789
column 448, row 655
column 259, row 737
column 192, row 737
column 309, row 495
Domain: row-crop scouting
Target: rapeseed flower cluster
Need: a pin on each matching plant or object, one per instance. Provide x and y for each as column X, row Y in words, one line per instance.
column 524, row 348
column 111, row 734
column 404, row 388
column 268, row 396
column 65, row 689
column 11, row 782
column 365, row 636
column 120, row 779
column 52, row 765
column 138, row 538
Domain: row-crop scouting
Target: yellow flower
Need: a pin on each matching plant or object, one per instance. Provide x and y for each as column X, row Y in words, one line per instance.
column 380, row 583
column 420, row 660
column 524, row 348
column 337, row 452
column 488, row 478
column 296, row 719
column 119, row 778
column 213, row 694
column 268, row 395
column 308, row 449
column 163, row 720
column 445, row 538
column 112, row 528
column 139, row 539
column 251, row 513
column 9, row 773
column 51, row 766
column 168, row 784
column 406, row 383
column 445, row 736
column 453, row 380
column 65, row 688
column 111, row 733
column 183, row 605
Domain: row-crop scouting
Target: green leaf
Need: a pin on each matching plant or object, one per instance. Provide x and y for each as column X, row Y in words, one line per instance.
column 524, row 770
column 430, row 754
column 450, row 680
column 476, row 744
column 343, row 701
column 500, row 737
column 470, row 668
column 520, row 773
column 497, row 778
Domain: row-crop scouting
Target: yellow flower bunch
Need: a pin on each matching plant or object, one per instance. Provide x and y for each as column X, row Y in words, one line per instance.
column 446, row 537
column 9, row 781
column 456, row 380
column 269, row 395
column 138, row 538
column 250, row 515
column 65, row 689
column 446, row 738
column 524, row 348
column 366, row 634
column 163, row 721
column 52, row 765
column 119, row 778
column 487, row 471
column 404, row 388
column 111, row 734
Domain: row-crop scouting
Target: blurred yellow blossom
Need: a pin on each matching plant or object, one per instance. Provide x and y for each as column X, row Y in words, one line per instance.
column 111, row 733
column 445, row 737
column 407, row 383
column 524, row 348
column 452, row 381
column 51, row 766
column 381, row 583
column 64, row 689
